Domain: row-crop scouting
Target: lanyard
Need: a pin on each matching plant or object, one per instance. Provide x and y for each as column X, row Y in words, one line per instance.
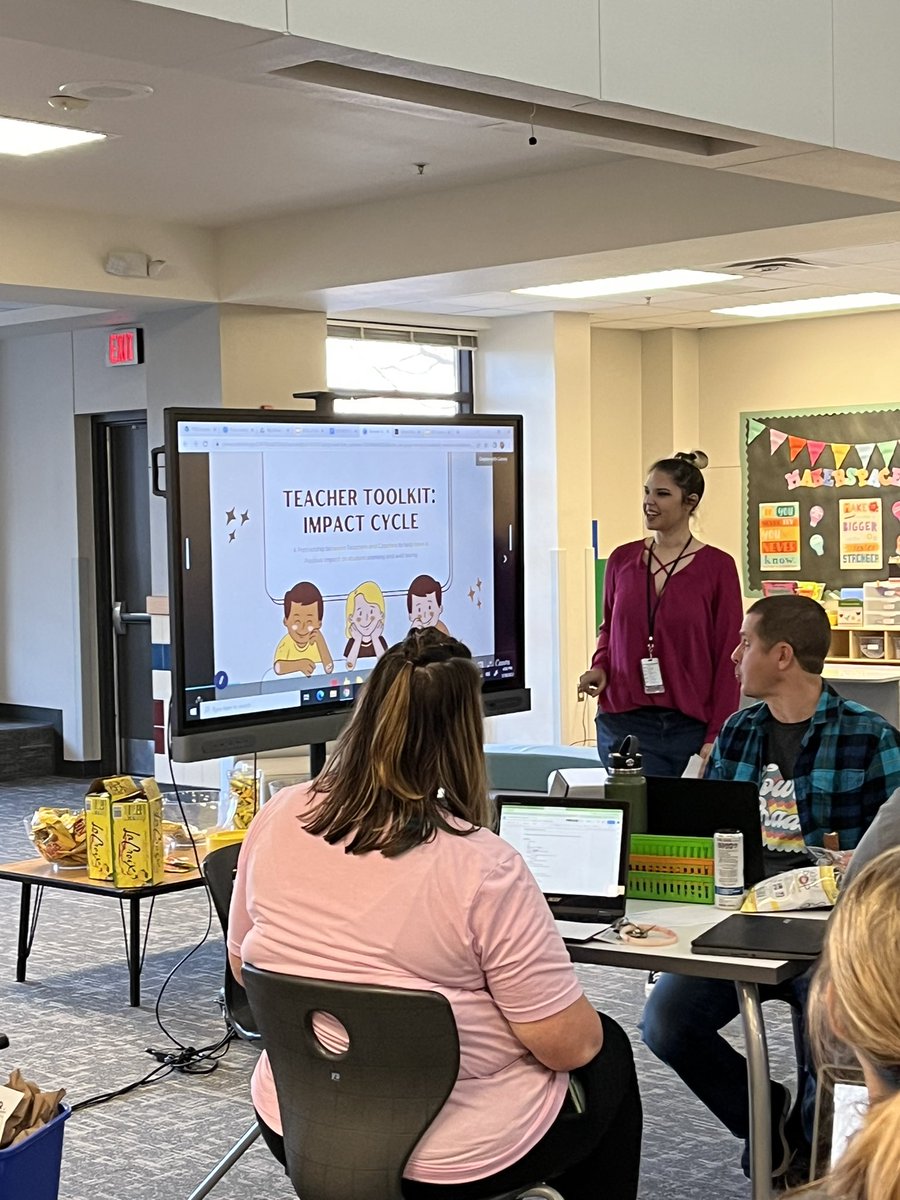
column 653, row 609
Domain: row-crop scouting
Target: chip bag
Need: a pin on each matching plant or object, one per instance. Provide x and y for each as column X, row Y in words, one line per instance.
column 59, row 836
column 805, row 887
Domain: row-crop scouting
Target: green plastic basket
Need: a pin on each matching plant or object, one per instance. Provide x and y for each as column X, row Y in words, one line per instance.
column 685, row 889
column 671, row 847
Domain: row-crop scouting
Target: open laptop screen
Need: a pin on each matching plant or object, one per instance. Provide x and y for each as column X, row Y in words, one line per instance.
column 575, row 849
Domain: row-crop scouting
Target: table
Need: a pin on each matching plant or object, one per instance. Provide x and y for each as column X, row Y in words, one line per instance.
column 37, row 873
column 688, row 921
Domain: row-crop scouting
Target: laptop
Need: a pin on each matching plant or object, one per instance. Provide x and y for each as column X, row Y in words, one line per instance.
column 698, row 807
column 763, row 935
column 577, row 850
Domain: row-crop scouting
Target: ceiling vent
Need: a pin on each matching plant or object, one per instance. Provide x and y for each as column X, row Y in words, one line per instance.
column 764, row 266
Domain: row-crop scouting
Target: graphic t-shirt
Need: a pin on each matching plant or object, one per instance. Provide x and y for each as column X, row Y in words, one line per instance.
column 783, row 845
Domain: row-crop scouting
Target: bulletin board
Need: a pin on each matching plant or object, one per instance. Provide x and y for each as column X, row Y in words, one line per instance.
column 821, row 495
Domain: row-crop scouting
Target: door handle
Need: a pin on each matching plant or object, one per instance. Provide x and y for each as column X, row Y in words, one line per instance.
column 122, row 619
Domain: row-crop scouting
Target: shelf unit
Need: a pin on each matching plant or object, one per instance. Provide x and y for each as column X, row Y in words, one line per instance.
column 847, row 643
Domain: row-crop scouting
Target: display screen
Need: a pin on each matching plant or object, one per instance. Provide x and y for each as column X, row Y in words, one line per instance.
column 302, row 546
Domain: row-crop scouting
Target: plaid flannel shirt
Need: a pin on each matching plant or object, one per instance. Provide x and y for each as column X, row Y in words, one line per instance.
column 848, row 764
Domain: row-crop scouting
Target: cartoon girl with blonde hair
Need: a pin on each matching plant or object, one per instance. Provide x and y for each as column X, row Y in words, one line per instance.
column 365, row 624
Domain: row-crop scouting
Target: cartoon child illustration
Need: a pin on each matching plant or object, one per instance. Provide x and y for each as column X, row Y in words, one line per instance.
column 365, row 624
column 423, row 603
column 303, row 647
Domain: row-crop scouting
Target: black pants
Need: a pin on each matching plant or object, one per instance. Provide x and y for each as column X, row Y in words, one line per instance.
column 586, row 1155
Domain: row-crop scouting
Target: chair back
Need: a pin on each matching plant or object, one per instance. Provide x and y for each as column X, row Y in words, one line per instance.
column 351, row 1120
column 219, row 867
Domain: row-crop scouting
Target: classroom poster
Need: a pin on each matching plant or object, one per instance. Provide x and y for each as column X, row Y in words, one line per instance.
column 810, row 478
column 861, row 535
column 779, row 537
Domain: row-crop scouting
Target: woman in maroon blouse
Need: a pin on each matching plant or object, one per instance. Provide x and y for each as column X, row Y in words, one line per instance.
column 672, row 614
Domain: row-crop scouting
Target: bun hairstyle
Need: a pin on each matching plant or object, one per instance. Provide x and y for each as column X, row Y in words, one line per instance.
column 684, row 468
column 412, row 756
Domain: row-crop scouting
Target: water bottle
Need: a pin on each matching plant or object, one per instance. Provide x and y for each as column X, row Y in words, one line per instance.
column 626, row 781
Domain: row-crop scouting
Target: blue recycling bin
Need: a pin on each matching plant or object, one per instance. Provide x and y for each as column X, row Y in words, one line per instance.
column 31, row 1168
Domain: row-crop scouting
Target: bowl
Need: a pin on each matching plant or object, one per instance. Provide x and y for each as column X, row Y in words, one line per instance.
column 199, row 809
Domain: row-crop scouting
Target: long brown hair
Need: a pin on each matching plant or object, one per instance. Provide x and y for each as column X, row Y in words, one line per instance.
column 412, row 755
column 855, row 1000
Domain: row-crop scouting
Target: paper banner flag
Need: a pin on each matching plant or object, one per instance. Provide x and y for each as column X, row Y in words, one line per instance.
column 887, row 451
column 840, row 451
column 864, row 450
column 796, row 444
column 815, row 449
column 775, row 440
column 754, row 429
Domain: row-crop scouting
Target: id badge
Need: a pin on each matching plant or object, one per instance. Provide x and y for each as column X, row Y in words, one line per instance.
column 652, row 676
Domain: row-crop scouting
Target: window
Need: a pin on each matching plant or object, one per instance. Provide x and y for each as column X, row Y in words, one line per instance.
column 396, row 370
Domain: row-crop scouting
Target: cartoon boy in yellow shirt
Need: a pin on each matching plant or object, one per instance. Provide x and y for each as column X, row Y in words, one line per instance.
column 303, row 647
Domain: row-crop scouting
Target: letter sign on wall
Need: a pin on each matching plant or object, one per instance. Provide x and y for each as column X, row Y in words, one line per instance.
column 125, row 348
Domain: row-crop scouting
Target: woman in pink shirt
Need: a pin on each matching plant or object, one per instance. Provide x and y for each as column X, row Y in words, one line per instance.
column 384, row 870
column 672, row 613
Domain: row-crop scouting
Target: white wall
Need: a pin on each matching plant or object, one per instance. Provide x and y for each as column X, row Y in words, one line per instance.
column 516, row 374
column 551, row 45
column 40, row 569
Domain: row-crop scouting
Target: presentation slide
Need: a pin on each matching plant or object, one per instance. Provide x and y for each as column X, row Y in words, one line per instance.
column 359, row 542
column 309, row 549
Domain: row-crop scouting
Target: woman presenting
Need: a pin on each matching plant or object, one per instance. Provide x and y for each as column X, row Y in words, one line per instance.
column 672, row 614
column 384, row 870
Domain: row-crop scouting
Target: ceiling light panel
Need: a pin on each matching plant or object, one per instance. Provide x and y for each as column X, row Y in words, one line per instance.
column 814, row 306
column 25, row 138
column 624, row 285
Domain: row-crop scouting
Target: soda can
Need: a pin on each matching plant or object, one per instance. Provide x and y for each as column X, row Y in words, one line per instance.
column 728, row 868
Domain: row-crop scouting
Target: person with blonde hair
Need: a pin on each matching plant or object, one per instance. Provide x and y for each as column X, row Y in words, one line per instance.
column 384, row 870
column 365, row 624
column 854, row 1001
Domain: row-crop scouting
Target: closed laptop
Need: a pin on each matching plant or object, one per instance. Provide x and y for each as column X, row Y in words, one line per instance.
column 763, row 935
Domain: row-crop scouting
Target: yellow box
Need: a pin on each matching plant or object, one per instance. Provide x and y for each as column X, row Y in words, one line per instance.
column 99, row 835
column 137, row 837
column 120, row 787
column 224, row 837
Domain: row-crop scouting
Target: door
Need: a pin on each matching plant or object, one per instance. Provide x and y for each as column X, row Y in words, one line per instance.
column 122, row 508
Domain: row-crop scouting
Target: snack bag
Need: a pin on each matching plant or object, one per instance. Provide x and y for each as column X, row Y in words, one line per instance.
column 59, row 836
column 806, row 887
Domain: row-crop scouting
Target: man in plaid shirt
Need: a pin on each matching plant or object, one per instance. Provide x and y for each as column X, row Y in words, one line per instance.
column 823, row 765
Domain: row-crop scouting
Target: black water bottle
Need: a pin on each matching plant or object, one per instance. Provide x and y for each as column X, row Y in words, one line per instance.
column 627, row 782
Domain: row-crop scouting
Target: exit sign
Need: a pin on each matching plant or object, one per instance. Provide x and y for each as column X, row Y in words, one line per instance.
column 125, row 348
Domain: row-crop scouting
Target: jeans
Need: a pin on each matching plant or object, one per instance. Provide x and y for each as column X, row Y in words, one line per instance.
column 585, row 1155
column 681, row 1025
column 668, row 738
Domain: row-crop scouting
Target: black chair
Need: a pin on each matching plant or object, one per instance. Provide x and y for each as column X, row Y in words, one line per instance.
column 218, row 871
column 351, row 1120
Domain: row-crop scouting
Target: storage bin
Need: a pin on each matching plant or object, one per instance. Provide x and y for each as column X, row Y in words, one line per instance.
column 31, row 1168
column 871, row 645
column 685, row 889
column 671, row 868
